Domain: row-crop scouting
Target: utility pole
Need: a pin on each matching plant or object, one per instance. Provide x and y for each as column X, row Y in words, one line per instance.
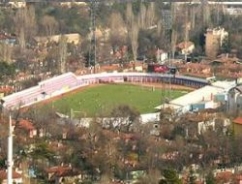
column 10, row 153
column 92, row 51
column 187, row 28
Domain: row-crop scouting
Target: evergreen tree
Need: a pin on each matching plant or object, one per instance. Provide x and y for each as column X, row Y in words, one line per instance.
column 191, row 178
column 210, row 179
column 170, row 177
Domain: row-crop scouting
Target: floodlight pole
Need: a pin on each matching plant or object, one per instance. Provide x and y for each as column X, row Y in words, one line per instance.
column 10, row 153
column 93, row 50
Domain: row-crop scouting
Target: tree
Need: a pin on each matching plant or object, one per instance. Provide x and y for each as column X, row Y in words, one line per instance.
column 133, row 29
column 129, row 15
column 226, row 45
column 150, row 15
column 125, row 116
column 48, row 25
column 6, row 70
column 191, row 177
column 25, row 25
column 118, row 34
column 133, row 35
column 62, row 54
column 210, row 179
column 5, row 52
column 170, row 177
column 174, row 31
column 142, row 16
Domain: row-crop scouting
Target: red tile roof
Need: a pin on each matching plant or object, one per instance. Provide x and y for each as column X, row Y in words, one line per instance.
column 184, row 45
column 224, row 176
column 3, row 175
column 25, row 124
column 238, row 120
column 6, row 89
column 62, row 171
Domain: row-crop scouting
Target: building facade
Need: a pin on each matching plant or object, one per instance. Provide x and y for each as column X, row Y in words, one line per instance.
column 214, row 40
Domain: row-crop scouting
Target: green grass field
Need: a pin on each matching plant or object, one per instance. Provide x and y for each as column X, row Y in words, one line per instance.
column 100, row 100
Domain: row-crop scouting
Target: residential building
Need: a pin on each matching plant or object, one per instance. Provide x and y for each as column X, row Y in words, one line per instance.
column 185, row 48
column 17, row 177
column 27, row 126
column 17, row 4
column 70, row 4
column 234, row 97
column 161, row 56
column 237, row 125
column 74, row 38
column 62, row 174
column 214, row 40
column 7, row 38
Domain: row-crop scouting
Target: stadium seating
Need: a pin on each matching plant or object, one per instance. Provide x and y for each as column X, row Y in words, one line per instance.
column 23, row 98
column 63, row 82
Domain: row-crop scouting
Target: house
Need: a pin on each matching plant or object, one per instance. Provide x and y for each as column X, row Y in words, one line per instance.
column 63, row 174
column 74, row 38
column 214, row 40
column 161, row 55
column 27, row 126
column 5, row 90
column 234, row 99
column 17, row 4
column 71, row 4
column 226, row 176
column 186, row 47
column 238, row 179
column 17, row 178
column 237, row 125
column 7, row 38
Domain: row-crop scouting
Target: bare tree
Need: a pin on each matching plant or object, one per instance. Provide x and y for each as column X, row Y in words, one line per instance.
column 125, row 117
column 5, row 52
column 129, row 15
column 25, row 25
column 142, row 16
column 133, row 29
column 150, row 15
column 205, row 13
column 62, row 53
column 133, row 35
column 173, row 42
column 159, row 27
column 174, row 29
column 118, row 30
column 49, row 24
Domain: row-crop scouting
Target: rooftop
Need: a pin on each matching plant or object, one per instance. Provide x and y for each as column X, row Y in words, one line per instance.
column 3, row 175
column 238, row 120
column 25, row 124
column 203, row 94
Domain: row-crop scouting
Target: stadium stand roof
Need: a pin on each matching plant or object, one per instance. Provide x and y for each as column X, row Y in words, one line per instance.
column 204, row 94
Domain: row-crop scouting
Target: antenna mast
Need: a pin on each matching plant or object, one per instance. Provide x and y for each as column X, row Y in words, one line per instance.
column 92, row 52
column 187, row 27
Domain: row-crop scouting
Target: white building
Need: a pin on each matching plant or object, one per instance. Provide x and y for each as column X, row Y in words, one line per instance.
column 186, row 47
column 161, row 56
column 203, row 98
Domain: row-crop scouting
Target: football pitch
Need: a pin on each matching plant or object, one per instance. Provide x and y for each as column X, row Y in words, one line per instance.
column 101, row 99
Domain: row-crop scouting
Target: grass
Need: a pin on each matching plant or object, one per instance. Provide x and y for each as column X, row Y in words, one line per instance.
column 100, row 100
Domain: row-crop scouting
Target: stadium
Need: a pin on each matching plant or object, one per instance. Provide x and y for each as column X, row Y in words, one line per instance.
column 201, row 98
